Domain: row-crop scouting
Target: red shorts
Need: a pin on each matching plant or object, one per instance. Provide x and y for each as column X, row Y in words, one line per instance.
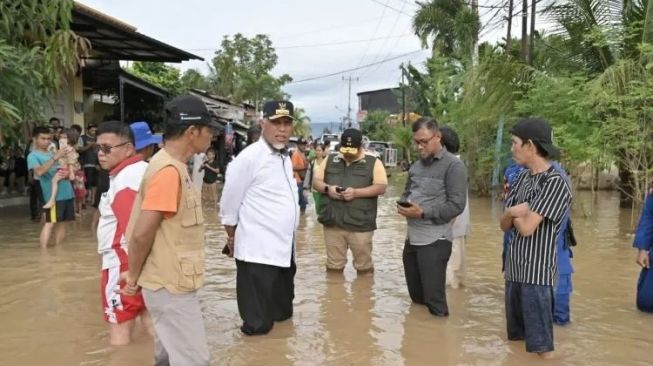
column 118, row 308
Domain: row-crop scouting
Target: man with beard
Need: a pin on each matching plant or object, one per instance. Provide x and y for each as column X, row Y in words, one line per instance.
column 259, row 210
column 435, row 194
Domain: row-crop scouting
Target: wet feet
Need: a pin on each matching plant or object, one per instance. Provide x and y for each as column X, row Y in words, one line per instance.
column 247, row 330
column 546, row 355
column 441, row 314
column 365, row 271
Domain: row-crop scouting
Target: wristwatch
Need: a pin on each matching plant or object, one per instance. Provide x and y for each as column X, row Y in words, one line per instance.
column 326, row 189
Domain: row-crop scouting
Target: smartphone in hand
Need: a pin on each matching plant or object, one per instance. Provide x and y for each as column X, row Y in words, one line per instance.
column 340, row 189
column 404, row 203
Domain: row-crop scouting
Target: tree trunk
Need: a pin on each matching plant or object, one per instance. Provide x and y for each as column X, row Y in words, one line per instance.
column 626, row 190
column 509, row 35
column 524, row 32
column 531, row 46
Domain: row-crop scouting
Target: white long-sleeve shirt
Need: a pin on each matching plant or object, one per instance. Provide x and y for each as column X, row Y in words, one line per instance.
column 260, row 197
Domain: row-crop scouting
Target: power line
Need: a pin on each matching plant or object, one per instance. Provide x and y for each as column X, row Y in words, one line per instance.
column 373, row 35
column 394, row 25
column 355, row 68
column 391, row 8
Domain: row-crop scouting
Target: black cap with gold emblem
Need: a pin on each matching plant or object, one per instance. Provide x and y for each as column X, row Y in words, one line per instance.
column 351, row 141
column 278, row 109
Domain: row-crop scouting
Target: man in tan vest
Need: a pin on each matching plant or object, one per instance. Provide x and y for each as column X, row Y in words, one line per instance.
column 166, row 238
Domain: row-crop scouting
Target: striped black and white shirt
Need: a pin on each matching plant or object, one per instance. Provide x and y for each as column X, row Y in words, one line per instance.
column 532, row 259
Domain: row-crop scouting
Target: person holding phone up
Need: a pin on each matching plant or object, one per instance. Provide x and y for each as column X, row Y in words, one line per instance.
column 435, row 194
column 351, row 182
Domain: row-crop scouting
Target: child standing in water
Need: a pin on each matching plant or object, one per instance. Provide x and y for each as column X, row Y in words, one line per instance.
column 211, row 171
column 69, row 164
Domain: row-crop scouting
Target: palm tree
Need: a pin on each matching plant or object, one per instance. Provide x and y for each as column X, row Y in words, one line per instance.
column 302, row 125
column 607, row 35
column 451, row 27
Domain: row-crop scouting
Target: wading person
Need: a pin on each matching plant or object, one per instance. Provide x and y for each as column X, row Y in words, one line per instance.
column 320, row 155
column 460, row 226
column 535, row 208
column 43, row 164
column 351, row 182
column 88, row 152
column 435, row 194
column 644, row 243
column 146, row 143
column 165, row 237
column 211, row 170
column 259, row 210
column 300, row 166
column 117, row 154
column 564, row 254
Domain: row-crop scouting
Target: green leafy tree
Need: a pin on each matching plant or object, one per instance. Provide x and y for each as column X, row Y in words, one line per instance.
column 38, row 51
column 450, row 26
column 158, row 73
column 242, row 70
column 377, row 126
column 193, row 79
column 302, row 124
column 402, row 137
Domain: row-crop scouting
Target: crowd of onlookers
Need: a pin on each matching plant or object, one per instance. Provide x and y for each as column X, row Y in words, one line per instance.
column 13, row 171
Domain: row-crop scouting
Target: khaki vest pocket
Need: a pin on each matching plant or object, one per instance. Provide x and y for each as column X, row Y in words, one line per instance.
column 192, row 271
column 193, row 213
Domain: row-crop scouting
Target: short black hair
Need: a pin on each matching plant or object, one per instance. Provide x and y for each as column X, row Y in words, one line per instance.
column 425, row 122
column 38, row 130
column 539, row 150
column 450, row 139
column 175, row 130
column 118, row 128
column 77, row 128
column 52, row 119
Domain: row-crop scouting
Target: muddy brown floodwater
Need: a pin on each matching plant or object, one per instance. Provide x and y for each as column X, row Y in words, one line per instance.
column 50, row 310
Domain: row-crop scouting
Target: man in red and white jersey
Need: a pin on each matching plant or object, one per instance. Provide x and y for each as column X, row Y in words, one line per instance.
column 117, row 154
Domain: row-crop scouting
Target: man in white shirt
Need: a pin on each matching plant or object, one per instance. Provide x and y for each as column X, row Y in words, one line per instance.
column 260, row 213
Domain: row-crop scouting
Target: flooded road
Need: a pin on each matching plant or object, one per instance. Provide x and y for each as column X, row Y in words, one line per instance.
column 50, row 303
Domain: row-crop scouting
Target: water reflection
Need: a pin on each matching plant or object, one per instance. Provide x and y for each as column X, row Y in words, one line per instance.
column 51, row 314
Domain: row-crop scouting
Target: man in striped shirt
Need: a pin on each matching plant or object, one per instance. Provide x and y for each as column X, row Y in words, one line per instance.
column 535, row 208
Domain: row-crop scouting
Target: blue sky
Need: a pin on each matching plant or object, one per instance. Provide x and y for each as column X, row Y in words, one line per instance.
column 366, row 31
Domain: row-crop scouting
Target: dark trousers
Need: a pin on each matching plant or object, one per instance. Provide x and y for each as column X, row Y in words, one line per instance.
column 425, row 267
column 265, row 294
column 302, row 200
column 35, row 199
column 561, row 312
column 529, row 315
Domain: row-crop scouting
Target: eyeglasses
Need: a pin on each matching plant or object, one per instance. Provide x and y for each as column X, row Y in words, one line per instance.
column 423, row 143
column 106, row 149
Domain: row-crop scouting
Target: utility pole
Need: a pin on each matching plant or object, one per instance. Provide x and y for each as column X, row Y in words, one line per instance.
column 403, row 95
column 349, row 100
column 524, row 31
